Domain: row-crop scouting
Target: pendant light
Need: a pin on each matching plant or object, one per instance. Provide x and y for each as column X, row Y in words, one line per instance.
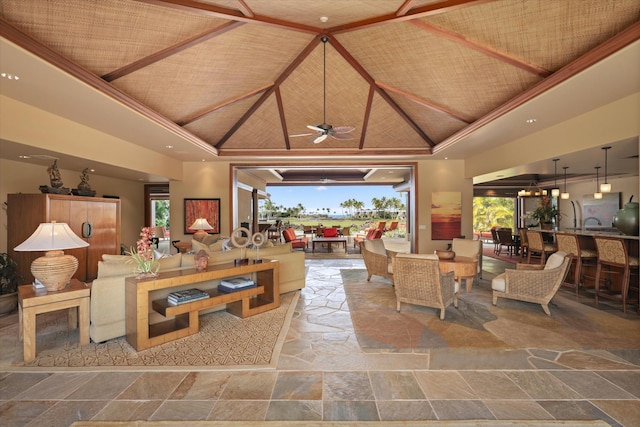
column 555, row 192
column 565, row 195
column 605, row 187
column 597, row 195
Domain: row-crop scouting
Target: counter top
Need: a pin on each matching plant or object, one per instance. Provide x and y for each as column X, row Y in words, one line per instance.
column 589, row 231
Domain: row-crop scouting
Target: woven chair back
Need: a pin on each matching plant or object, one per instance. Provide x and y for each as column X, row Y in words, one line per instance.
column 535, row 240
column 568, row 243
column 611, row 251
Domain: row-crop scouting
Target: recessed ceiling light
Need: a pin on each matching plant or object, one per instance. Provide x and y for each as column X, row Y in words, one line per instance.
column 9, row 76
column 92, row 170
column 324, row 19
column 530, row 121
column 24, row 157
column 169, row 146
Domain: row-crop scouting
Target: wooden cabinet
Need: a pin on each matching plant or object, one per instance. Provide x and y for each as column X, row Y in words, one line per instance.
column 95, row 220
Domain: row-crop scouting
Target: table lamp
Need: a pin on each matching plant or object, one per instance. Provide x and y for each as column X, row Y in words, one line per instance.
column 202, row 226
column 55, row 269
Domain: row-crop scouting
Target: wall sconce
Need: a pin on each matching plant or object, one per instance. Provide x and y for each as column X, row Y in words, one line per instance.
column 202, row 225
column 565, row 194
column 597, row 194
column 55, row 269
column 605, row 187
column 555, row 192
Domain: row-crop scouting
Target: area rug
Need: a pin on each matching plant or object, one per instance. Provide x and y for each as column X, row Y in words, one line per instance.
column 487, row 250
column 224, row 342
column 477, row 324
column 444, row 423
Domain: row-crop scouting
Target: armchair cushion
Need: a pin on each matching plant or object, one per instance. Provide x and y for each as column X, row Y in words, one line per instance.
column 330, row 232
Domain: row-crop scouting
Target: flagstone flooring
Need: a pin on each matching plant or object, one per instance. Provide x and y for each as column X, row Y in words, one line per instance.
column 323, row 375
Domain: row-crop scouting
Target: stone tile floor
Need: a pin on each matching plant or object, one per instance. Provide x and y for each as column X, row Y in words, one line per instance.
column 323, row 375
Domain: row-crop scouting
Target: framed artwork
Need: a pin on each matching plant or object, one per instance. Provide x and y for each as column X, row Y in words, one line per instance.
column 202, row 208
column 600, row 212
column 446, row 215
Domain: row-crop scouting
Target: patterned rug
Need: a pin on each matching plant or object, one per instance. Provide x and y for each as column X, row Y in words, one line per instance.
column 224, row 342
column 477, row 324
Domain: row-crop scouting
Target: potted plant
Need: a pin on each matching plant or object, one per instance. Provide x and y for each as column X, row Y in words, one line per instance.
column 9, row 281
column 546, row 213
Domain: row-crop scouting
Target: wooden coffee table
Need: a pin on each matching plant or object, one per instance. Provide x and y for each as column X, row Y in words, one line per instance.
column 462, row 267
column 328, row 241
column 32, row 302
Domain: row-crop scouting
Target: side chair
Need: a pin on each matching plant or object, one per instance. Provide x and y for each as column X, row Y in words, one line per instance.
column 532, row 283
column 418, row 280
column 570, row 244
column 377, row 259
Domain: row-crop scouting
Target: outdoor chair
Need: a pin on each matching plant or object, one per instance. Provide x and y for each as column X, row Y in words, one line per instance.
column 532, row 283
column 374, row 233
column 494, row 238
column 393, row 226
column 418, row 280
column 289, row 235
column 377, row 259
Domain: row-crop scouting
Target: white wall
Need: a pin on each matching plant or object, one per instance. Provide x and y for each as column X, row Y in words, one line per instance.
column 18, row 177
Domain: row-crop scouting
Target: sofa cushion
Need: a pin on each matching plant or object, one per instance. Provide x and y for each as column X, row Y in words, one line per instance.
column 330, row 232
column 118, row 258
column 115, row 268
column 499, row 283
column 196, row 246
column 170, row 262
column 555, row 260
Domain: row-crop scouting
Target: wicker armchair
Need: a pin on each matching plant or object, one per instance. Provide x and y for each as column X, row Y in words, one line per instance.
column 418, row 280
column 533, row 283
column 377, row 259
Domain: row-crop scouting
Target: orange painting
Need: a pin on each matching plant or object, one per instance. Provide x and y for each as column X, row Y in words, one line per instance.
column 446, row 215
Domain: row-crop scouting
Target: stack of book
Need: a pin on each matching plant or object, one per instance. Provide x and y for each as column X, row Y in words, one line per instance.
column 185, row 296
column 236, row 284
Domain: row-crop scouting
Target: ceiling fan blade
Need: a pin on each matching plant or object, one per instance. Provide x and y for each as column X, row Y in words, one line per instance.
column 342, row 136
column 300, row 134
column 320, row 138
column 316, row 128
column 343, row 129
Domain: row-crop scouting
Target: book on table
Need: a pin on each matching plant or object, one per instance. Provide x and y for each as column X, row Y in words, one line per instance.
column 236, row 284
column 186, row 295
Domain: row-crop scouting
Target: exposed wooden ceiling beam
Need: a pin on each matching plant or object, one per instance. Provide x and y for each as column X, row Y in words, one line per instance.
column 482, row 48
column 612, row 45
column 367, row 115
column 15, row 35
column 235, row 15
column 425, row 103
column 282, row 77
column 200, row 114
column 171, row 50
column 334, row 152
column 418, row 12
column 405, row 7
column 360, row 69
column 246, row 10
column 283, row 121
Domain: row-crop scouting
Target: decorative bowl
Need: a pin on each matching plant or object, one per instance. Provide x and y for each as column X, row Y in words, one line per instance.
column 446, row 255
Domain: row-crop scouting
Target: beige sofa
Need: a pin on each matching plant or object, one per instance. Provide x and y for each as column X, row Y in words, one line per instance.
column 108, row 296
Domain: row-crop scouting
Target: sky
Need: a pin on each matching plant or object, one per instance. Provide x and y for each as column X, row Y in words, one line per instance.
column 320, row 197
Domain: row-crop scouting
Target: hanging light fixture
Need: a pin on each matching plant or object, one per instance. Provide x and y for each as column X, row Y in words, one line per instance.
column 565, row 195
column 605, row 187
column 598, row 193
column 555, row 192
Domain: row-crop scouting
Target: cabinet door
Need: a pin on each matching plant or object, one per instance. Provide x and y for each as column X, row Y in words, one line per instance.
column 74, row 213
column 103, row 220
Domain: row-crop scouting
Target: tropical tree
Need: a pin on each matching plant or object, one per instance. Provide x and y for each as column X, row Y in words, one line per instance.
column 492, row 211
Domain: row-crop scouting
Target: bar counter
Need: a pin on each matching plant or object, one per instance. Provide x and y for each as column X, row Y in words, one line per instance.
column 593, row 231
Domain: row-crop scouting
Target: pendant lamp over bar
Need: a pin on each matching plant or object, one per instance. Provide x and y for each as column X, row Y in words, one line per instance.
column 597, row 195
column 565, row 195
column 555, row 192
column 605, row 187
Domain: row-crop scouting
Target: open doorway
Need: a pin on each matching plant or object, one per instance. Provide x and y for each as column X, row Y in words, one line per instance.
column 399, row 179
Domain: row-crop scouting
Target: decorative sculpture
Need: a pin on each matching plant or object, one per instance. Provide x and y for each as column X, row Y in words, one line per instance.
column 56, row 187
column 84, row 189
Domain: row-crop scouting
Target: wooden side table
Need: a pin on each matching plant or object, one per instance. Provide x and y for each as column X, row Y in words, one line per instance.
column 32, row 302
column 462, row 267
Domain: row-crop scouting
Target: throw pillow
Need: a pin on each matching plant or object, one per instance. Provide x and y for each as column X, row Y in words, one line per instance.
column 170, row 261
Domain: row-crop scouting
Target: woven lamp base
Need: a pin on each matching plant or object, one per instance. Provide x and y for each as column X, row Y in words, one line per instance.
column 54, row 270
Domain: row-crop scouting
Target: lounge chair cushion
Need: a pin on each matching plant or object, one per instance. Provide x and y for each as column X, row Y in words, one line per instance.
column 555, row 260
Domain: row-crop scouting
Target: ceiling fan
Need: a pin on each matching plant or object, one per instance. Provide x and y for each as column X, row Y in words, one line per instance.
column 324, row 130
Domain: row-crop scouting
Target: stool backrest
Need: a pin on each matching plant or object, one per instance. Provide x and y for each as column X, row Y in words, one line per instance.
column 535, row 240
column 568, row 243
column 611, row 251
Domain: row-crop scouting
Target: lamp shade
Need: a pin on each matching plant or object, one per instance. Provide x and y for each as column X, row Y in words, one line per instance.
column 201, row 224
column 55, row 269
column 51, row 236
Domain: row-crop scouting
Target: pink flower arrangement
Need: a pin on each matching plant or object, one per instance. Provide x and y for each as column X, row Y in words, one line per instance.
column 146, row 265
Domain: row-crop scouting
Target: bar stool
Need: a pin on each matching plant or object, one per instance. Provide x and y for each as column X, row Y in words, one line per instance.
column 538, row 245
column 524, row 243
column 570, row 244
column 612, row 252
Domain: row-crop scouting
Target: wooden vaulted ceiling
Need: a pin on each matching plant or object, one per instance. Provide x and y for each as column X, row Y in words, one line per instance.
column 242, row 76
